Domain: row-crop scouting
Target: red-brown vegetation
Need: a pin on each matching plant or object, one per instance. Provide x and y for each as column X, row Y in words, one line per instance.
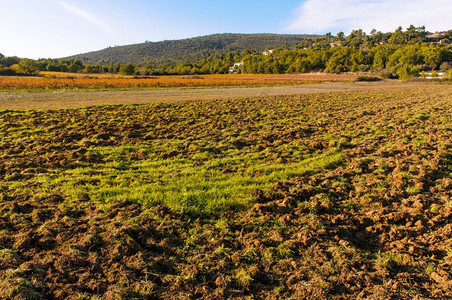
column 114, row 82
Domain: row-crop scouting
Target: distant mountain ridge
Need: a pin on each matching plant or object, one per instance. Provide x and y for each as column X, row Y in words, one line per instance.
column 177, row 51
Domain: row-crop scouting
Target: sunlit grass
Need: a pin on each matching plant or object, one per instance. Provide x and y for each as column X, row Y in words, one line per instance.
column 179, row 184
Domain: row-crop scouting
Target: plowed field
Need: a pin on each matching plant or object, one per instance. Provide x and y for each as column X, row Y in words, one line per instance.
column 330, row 195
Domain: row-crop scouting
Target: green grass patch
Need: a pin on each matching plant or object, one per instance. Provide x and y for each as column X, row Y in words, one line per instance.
column 180, row 185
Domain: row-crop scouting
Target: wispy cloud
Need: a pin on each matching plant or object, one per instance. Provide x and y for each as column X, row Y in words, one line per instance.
column 85, row 15
column 321, row 16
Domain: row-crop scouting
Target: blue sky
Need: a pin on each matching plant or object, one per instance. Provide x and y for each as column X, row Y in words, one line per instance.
column 58, row 28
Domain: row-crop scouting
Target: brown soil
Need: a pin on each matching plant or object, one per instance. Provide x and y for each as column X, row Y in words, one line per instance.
column 378, row 226
column 71, row 99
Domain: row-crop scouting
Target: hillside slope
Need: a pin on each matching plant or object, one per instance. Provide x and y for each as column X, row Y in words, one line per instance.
column 177, row 51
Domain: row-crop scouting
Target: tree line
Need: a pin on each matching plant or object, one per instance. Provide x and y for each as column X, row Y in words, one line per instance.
column 398, row 54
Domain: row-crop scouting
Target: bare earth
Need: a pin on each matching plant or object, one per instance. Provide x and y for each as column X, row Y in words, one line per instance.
column 349, row 195
column 72, row 99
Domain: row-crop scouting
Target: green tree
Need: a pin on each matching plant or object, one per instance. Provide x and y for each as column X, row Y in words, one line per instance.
column 328, row 36
column 411, row 55
column 433, row 56
column 411, row 32
column 340, row 36
column 380, row 57
column 397, row 37
column 340, row 61
column 10, row 60
column 91, row 69
column 29, row 66
column 76, row 66
column 114, row 68
column 127, row 69
column 356, row 38
column 407, row 71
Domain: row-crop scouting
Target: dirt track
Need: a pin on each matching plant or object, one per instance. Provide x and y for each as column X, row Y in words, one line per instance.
column 72, row 99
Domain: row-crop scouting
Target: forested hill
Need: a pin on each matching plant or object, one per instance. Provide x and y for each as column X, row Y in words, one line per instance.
column 177, row 51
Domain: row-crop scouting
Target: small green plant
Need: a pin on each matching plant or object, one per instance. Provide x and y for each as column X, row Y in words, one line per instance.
column 242, row 278
column 434, row 208
column 430, row 268
column 285, row 250
column 422, row 117
column 221, row 251
column 413, row 190
column 8, row 256
column 18, row 288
